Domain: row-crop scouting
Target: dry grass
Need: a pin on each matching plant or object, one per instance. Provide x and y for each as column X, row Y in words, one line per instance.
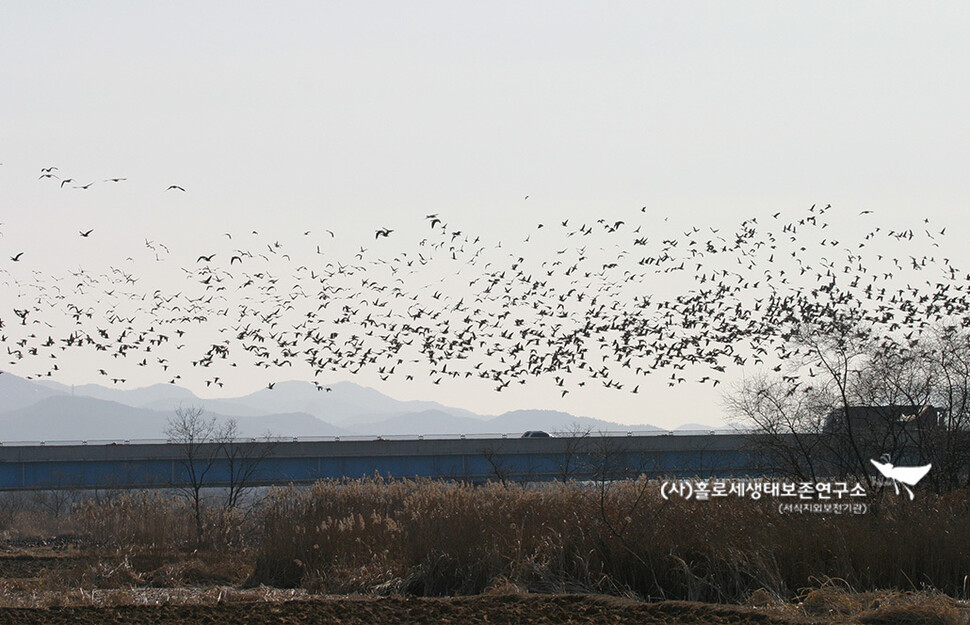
column 14, row 596
column 432, row 538
column 154, row 519
column 437, row 538
column 884, row 608
column 933, row 614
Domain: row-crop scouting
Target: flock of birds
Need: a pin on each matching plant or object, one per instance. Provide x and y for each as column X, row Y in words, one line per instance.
column 601, row 301
column 48, row 174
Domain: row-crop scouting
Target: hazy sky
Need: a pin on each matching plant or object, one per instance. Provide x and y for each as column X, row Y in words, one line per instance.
column 285, row 117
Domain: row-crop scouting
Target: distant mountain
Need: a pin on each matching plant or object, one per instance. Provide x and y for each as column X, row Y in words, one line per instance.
column 50, row 384
column 16, row 392
column 345, row 403
column 288, row 424
column 48, row 410
column 424, row 422
column 137, row 397
column 221, row 406
column 331, row 406
column 437, row 422
column 164, row 397
column 554, row 421
column 62, row 417
column 698, row 427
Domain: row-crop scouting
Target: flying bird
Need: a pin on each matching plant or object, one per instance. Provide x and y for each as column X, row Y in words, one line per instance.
column 17, row 257
column 176, row 187
column 88, row 233
column 384, row 232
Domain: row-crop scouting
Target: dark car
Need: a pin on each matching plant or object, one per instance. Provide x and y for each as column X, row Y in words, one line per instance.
column 535, row 434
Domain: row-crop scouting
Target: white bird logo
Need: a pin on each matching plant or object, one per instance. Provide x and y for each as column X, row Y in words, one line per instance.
column 906, row 475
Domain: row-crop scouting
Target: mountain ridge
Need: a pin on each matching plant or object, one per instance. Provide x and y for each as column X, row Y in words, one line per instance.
column 33, row 410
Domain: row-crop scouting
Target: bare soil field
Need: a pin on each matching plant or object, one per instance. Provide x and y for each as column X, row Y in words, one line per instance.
column 572, row 609
column 64, row 584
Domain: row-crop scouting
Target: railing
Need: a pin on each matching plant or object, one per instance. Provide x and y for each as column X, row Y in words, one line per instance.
column 374, row 437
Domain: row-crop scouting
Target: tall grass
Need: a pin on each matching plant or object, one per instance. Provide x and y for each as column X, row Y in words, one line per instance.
column 440, row 538
column 444, row 538
column 156, row 521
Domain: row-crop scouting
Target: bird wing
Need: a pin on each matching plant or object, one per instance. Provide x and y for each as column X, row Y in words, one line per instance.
column 886, row 468
column 911, row 475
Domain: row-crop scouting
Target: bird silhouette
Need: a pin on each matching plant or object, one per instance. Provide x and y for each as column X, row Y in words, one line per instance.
column 606, row 305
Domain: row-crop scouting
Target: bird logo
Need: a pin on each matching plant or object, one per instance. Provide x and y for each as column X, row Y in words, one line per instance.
column 904, row 475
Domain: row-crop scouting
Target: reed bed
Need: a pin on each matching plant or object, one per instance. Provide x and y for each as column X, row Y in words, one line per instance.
column 434, row 538
column 437, row 538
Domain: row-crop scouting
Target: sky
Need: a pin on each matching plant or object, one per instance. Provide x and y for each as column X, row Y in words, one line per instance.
column 290, row 117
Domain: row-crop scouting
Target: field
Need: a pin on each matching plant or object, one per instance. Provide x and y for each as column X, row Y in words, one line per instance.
column 375, row 551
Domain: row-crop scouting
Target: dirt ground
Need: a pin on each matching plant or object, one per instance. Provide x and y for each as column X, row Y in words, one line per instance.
column 62, row 584
column 572, row 609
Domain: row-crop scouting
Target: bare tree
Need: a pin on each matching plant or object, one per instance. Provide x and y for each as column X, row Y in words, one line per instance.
column 198, row 438
column 575, row 439
column 931, row 375
column 215, row 455
column 492, row 455
column 609, row 458
column 242, row 459
column 847, row 398
column 787, row 426
column 55, row 502
column 622, row 488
